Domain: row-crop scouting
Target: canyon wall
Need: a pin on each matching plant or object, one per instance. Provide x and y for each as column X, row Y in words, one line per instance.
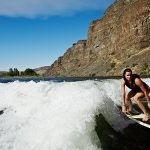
column 120, row 39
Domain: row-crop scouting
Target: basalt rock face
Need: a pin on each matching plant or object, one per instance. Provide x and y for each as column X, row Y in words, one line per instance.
column 41, row 70
column 120, row 39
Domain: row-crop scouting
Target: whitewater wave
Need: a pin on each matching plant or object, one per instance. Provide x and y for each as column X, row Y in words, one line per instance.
column 57, row 116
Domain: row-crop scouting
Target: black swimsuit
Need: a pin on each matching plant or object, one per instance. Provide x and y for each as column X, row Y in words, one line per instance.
column 133, row 86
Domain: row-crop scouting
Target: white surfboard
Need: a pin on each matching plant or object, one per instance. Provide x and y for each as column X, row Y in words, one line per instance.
column 138, row 115
column 138, row 119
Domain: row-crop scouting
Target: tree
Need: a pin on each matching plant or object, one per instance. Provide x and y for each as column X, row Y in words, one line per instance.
column 11, row 72
column 30, row 72
column 22, row 73
column 16, row 72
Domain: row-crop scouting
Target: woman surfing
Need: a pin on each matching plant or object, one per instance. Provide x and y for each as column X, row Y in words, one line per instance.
column 139, row 90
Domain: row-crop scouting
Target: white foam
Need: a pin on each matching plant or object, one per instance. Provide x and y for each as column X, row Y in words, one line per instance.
column 57, row 116
column 46, row 115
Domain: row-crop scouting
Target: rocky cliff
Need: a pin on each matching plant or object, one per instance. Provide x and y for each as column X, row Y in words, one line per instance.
column 41, row 70
column 120, row 39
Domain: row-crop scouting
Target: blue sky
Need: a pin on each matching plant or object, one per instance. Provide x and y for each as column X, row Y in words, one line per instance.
column 34, row 34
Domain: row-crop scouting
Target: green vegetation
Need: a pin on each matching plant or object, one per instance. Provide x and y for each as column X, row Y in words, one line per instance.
column 145, row 65
column 112, row 53
column 30, row 72
column 15, row 72
column 146, row 69
column 133, row 65
column 129, row 55
column 113, row 65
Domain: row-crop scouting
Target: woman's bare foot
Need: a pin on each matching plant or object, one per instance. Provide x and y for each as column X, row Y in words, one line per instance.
column 129, row 110
column 146, row 117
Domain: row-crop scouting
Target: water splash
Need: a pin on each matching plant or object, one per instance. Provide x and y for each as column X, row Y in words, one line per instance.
column 57, row 116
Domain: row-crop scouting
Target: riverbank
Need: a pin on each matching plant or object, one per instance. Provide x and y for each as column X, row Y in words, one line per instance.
column 96, row 77
column 21, row 76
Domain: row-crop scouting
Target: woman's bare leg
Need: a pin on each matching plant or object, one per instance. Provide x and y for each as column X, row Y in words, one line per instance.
column 137, row 99
column 148, row 93
column 128, row 98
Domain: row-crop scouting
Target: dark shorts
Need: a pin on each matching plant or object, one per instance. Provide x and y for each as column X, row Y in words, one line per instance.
column 137, row 90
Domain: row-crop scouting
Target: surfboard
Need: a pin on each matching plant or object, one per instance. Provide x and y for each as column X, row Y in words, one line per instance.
column 137, row 116
column 138, row 119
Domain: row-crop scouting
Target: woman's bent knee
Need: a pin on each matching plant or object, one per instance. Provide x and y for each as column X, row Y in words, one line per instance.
column 136, row 99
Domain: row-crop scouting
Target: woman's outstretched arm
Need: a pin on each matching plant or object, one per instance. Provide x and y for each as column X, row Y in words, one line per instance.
column 123, row 95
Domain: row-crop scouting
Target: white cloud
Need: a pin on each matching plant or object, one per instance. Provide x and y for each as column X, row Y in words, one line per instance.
column 45, row 8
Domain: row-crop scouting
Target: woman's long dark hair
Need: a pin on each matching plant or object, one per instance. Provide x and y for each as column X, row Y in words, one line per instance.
column 126, row 70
